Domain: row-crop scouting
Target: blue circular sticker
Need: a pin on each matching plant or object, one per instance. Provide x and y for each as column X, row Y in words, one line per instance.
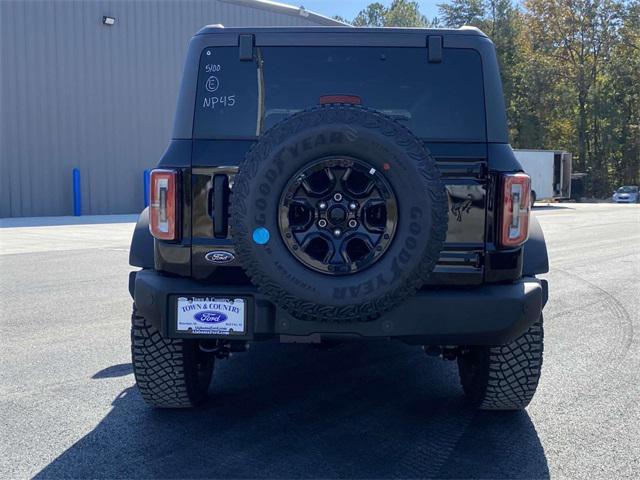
column 261, row 235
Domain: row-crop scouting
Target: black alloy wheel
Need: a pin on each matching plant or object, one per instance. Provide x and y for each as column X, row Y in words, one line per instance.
column 338, row 215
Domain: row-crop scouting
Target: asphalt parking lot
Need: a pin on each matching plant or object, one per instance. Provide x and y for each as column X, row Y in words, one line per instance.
column 69, row 408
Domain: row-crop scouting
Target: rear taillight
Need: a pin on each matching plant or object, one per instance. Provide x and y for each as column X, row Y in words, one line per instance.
column 514, row 218
column 162, row 204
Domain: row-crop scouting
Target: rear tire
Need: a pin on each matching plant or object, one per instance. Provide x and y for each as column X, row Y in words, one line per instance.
column 503, row 377
column 533, row 198
column 170, row 373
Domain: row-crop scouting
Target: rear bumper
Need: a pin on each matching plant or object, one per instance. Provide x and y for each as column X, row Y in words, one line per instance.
column 484, row 315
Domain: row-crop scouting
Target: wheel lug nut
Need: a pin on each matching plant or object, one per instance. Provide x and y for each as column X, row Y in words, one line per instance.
column 322, row 205
column 353, row 223
column 352, row 206
column 322, row 223
column 337, row 232
column 337, row 197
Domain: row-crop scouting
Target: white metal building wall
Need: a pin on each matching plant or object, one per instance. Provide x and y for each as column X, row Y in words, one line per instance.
column 77, row 93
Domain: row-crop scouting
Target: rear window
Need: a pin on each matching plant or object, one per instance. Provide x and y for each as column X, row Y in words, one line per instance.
column 437, row 101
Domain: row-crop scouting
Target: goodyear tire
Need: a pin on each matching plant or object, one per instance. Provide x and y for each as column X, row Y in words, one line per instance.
column 397, row 157
column 504, row 377
column 170, row 373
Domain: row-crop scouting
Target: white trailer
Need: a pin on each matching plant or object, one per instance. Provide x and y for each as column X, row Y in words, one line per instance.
column 550, row 172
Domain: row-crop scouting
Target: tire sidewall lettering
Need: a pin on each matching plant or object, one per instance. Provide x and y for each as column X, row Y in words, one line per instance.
column 295, row 156
column 292, row 145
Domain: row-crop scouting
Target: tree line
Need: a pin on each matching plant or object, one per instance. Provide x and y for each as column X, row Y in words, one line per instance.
column 570, row 71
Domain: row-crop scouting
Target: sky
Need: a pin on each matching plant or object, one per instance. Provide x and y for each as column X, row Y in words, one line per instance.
column 350, row 8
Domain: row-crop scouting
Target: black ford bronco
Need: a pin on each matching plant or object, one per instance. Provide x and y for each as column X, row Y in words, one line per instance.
column 327, row 184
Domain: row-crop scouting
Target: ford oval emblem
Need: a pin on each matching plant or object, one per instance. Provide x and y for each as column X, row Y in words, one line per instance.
column 210, row 316
column 220, row 257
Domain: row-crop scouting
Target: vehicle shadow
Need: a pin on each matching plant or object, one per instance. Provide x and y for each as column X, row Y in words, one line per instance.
column 113, row 371
column 370, row 410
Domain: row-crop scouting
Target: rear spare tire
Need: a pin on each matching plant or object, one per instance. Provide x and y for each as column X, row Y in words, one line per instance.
column 338, row 213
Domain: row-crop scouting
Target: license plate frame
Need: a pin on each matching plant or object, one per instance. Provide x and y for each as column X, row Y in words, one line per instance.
column 211, row 316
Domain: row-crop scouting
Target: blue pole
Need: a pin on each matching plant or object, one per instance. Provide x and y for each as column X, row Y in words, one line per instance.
column 77, row 195
column 146, row 188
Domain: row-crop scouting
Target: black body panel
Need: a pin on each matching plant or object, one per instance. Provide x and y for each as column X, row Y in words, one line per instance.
column 463, row 165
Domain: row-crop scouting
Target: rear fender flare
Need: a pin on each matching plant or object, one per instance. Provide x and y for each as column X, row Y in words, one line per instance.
column 141, row 252
column 534, row 255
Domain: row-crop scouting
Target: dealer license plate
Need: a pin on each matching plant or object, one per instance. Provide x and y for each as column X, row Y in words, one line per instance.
column 211, row 316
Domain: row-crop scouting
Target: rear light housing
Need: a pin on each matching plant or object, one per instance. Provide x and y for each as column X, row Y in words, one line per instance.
column 516, row 205
column 349, row 99
column 162, row 204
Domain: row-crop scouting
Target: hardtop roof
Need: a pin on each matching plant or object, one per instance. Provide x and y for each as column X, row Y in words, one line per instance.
column 466, row 30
